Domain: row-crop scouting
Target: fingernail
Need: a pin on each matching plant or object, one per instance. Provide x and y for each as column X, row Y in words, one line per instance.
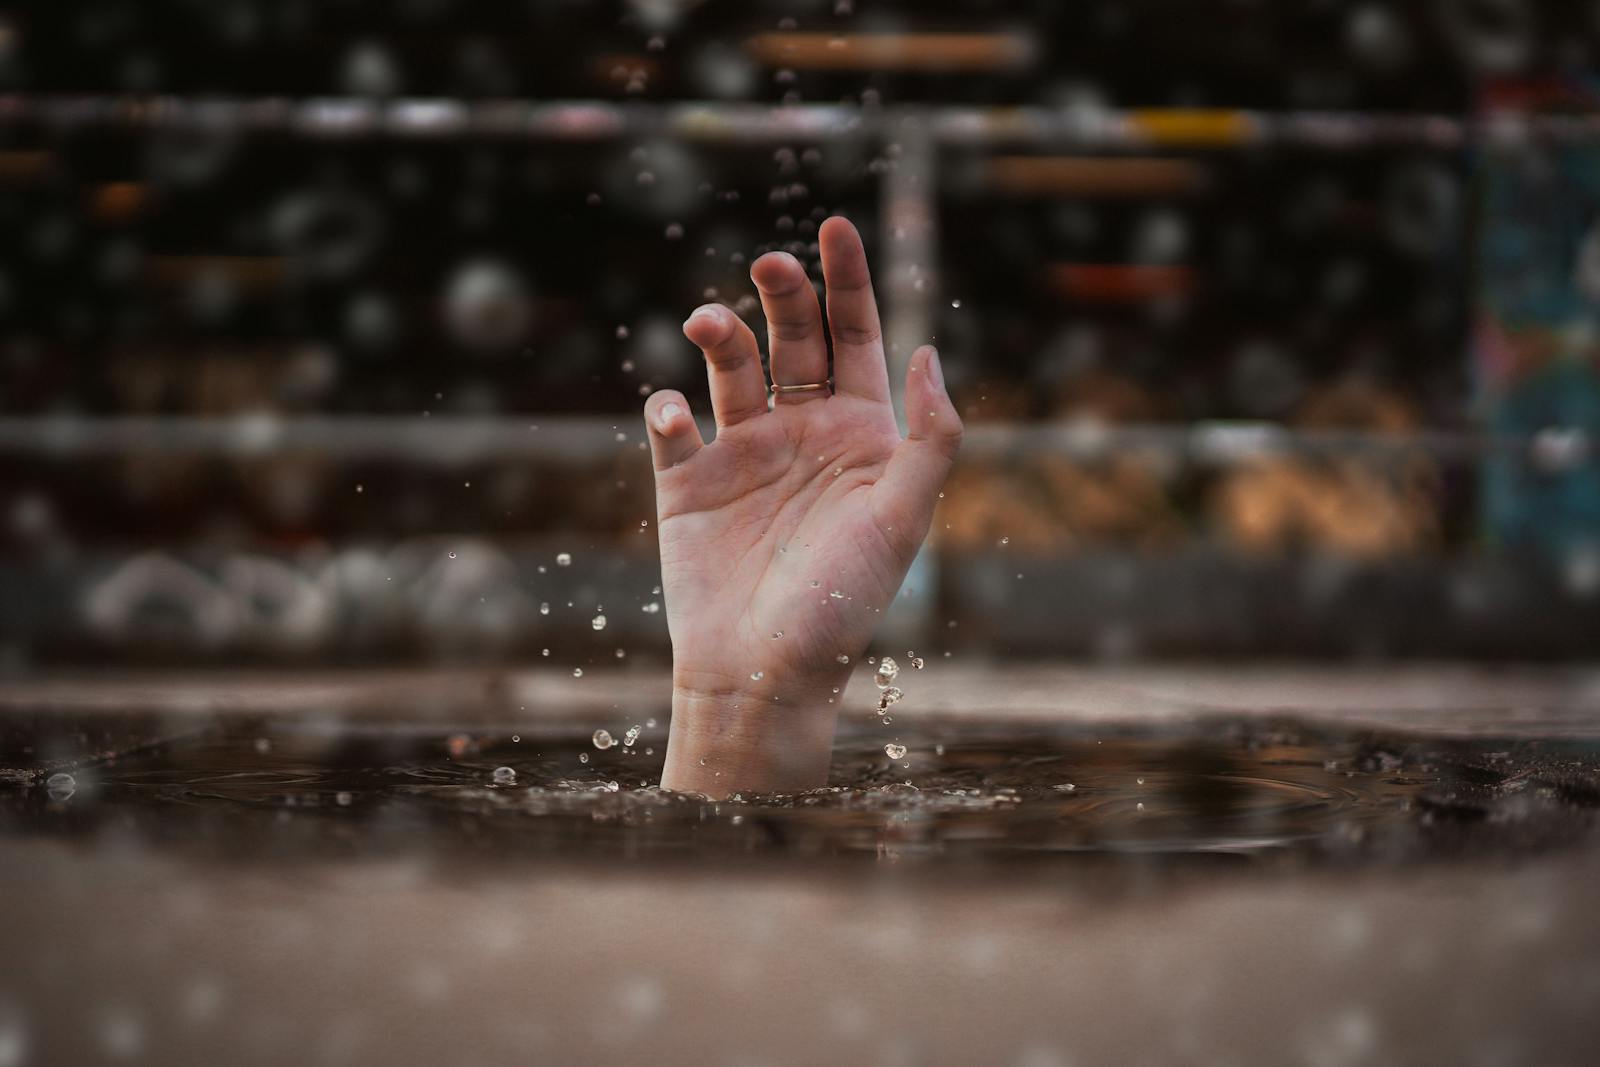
column 934, row 370
column 668, row 412
column 705, row 311
column 772, row 256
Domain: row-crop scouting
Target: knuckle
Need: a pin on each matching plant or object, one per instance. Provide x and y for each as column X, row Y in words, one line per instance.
column 949, row 437
column 845, row 283
column 726, row 358
column 790, row 329
column 857, row 335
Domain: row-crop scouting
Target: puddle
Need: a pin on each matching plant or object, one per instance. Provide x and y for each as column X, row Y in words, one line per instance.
column 961, row 798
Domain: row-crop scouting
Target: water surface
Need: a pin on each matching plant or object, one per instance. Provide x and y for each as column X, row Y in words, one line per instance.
column 963, row 798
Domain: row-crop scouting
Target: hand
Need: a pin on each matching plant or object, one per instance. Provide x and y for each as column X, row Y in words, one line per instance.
column 785, row 538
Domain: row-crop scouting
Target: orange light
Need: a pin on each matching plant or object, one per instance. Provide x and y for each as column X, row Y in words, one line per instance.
column 932, row 52
column 1197, row 127
column 116, row 201
column 1119, row 283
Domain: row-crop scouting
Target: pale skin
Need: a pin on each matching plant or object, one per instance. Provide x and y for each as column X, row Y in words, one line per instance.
column 812, row 495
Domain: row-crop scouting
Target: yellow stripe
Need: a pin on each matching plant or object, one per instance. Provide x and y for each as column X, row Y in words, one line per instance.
column 1192, row 126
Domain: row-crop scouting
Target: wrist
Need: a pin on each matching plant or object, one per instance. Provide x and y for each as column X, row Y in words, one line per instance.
column 710, row 687
column 761, row 734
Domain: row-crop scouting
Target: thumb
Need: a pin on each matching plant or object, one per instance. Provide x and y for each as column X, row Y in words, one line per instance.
column 917, row 469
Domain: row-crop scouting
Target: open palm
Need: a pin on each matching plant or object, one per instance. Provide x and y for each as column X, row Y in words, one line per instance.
column 783, row 540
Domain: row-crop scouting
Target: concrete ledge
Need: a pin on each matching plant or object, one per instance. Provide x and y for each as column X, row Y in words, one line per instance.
column 1432, row 697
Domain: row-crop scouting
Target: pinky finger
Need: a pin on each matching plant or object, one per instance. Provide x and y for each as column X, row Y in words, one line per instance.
column 674, row 437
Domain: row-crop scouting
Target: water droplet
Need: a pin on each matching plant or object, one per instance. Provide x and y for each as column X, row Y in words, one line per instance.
column 955, row 303
column 577, row 672
column 842, row 658
column 622, row 333
column 894, row 751
column 598, row 622
column 583, row 757
column 263, row 746
column 891, row 695
column 343, row 799
column 544, row 608
column 452, row 555
column 1139, row 780
column 563, row 559
column 1005, row 540
column 650, row 724
column 504, row 776
column 651, row 608
column 516, row 738
column 777, row 634
column 838, row 471
column 603, row 740
column 836, row 594
column 815, row 584
column 61, row 782
column 756, row 676
column 888, row 671
column 917, row 663
column 632, row 735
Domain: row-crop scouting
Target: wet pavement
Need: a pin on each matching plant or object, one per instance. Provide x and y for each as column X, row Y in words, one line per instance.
column 353, row 869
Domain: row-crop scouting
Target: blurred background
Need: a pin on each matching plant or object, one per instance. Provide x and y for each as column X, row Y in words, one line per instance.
column 332, row 651
column 325, row 326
